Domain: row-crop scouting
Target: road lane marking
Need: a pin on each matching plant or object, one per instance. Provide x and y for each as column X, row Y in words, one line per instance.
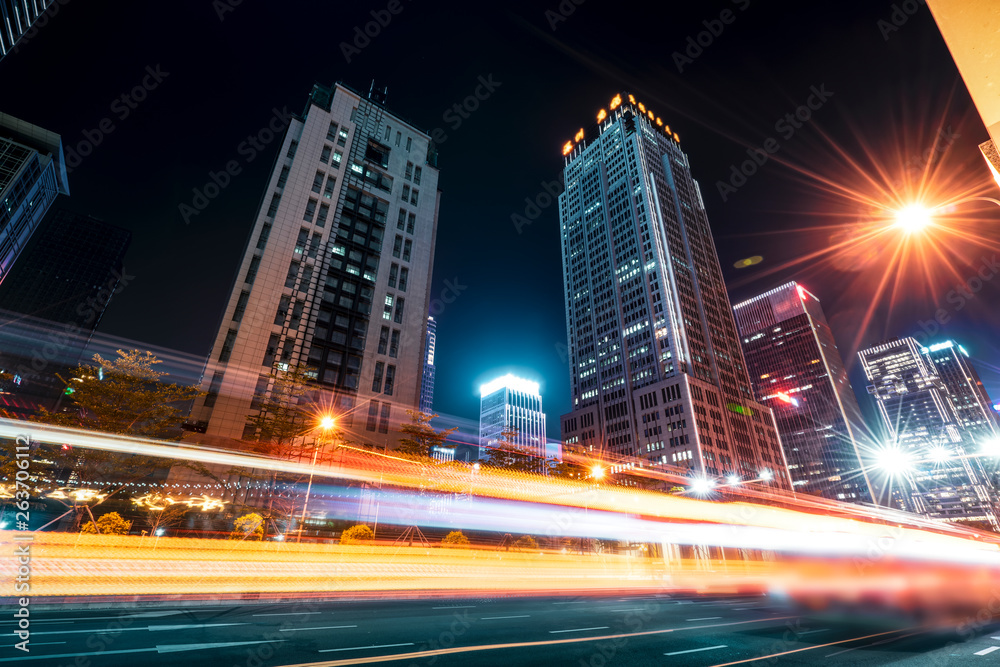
column 986, row 651
column 633, row 609
column 290, row 613
column 146, row 614
column 495, row 618
column 809, row 632
column 34, row 644
column 799, row 650
column 695, row 650
column 325, row 627
column 707, row 618
column 457, row 606
column 555, row 632
column 883, row 641
column 573, row 602
column 414, row 655
column 363, row 648
column 166, row 648
column 152, row 628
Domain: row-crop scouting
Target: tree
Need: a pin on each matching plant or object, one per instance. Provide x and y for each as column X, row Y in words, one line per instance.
column 248, row 527
column 455, row 539
column 358, row 533
column 111, row 523
column 168, row 516
column 125, row 396
column 510, row 456
column 568, row 468
column 421, row 436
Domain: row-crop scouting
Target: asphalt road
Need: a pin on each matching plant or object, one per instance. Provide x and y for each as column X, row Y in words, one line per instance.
column 591, row 631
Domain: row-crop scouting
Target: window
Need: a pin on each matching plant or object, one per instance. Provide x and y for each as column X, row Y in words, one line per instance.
column 377, row 378
column 399, row 137
column 297, row 309
column 372, row 415
column 291, row 149
column 265, row 232
column 293, row 272
column 390, row 380
column 227, row 346
column 404, row 274
column 338, row 156
column 314, row 244
column 398, row 319
column 252, row 271
column 342, row 137
column 394, row 343
column 283, row 178
column 383, row 422
column 401, row 221
column 325, row 155
column 318, row 181
column 273, row 208
column 331, row 133
column 328, row 191
column 383, row 340
column 377, row 153
column 241, row 306
column 288, row 349
column 213, row 389
column 397, row 245
column 388, row 131
column 307, row 274
column 407, row 246
column 411, row 223
column 409, row 171
column 387, row 308
column 310, row 211
column 406, row 193
column 393, row 271
column 416, row 176
column 272, row 349
column 409, row 143
column 324, row 210
column 413, row 199
column 300, row 243
column 283, row 303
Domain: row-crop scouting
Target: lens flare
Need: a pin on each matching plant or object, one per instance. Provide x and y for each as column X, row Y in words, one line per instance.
column 914, row 218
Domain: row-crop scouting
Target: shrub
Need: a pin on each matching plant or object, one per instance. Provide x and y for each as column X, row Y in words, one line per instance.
column 111, row 523
column 526, row 542
column 355, row 534
column 248, row 527
column 455, row 539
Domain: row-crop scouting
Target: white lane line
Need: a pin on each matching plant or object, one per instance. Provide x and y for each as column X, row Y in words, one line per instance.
column 168, row 648
column 152, row 628
column 555, row 632
column 695, row 650
column 809, row 632
column 457, row 606
column 633, row 609
column 291, row 613
column 34, row 644
column 496, row 618
column 574, row 602
column 146, row 614
column 706, row 618
column 362, row 648
column 325, row 627
column 174, row 648
column 986, row 651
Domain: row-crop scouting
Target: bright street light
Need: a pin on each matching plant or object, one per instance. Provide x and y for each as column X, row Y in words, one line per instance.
column 992, row 447
column 893, row 460
column 766, row 475
column 913, row 218
column 327, row 422
column 733, row 480
column 701, row 485
column 597, row 471
column 939, row 455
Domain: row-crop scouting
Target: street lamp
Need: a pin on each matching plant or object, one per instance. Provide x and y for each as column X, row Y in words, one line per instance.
column 766, row 475
column 913, row 218
column 597, row 471
column 701, row 485
column 326, row 424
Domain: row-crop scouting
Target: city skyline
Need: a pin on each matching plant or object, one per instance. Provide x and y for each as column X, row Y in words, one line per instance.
column 789, row 214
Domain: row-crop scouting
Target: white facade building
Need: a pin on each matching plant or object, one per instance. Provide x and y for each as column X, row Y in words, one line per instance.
column 512, row 403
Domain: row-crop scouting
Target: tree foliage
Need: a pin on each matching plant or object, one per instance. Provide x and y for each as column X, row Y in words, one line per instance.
column 358, row 533
column 248, row 527
column 126, row 395
column 111, row 523
column 526, row 542
column 420, row 435
column 506, row 454
column 455, row 539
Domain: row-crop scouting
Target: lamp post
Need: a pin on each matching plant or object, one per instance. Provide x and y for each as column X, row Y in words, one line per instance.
column 326, row 424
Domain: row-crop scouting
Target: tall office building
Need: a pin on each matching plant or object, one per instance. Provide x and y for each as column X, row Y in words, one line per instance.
column 512, row 403
column 336, row 274
column 973, row 407
column 656, row 369
column 929, row 461
column 427, row 383
column 32, row 175
column 16, row 18
column 796, row 369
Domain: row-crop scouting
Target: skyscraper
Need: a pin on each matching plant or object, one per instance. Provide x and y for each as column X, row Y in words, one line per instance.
column 32, row 175
column 336, row 274
column 656, row 369
column 512, row 403
column 16, row 18
column 427, row 383
column 928, row 463
column 972, row 404
column 796, row 369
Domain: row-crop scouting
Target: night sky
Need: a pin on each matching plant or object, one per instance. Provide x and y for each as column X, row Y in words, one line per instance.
column 224, row 69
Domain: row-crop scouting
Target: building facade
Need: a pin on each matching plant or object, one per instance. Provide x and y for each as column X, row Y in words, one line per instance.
column 656, row 370
column 16, row 19
column 510, row 403
column 427, row 382
column 928, row 462
column 796, row 369
column 336, row 275
column 32, row 175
